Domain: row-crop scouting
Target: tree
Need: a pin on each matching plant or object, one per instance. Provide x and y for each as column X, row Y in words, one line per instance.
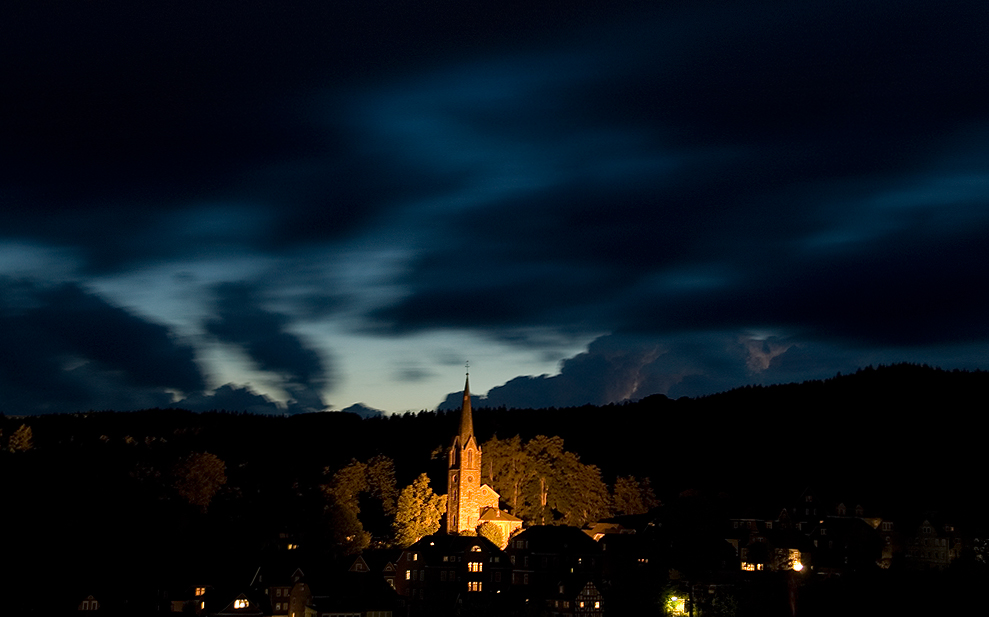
column 343, row 508
column 632, row 496
column 376, row 479
column 418, row 513
column 22, row 440
column 543, row 483
column 506, row 467
column 492, row 532
column 381, row 482
column 198, row 477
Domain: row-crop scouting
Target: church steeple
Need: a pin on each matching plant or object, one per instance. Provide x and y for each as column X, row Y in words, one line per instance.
column 466, row 418
column 464, row 474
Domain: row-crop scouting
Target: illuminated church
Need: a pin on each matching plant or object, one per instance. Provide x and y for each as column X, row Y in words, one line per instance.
column 469, row 503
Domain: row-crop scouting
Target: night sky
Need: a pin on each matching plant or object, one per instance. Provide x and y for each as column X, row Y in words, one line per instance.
column 290, row 206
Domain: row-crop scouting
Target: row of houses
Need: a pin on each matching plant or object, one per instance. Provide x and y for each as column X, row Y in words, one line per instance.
column 607, row 568
column 834, row 538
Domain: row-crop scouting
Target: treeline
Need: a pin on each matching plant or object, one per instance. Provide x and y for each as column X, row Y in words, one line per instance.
column 222, row 486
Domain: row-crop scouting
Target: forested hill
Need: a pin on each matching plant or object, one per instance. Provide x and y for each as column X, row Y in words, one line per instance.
column 875, row 430
column 169, row 484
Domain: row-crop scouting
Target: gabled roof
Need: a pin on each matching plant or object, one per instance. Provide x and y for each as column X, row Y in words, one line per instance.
column 251, row 607
column 449, row 544
column 494, row 514
column 557, row 539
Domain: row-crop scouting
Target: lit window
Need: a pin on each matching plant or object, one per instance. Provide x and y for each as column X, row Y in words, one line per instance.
column 580, row 604
column 474, row 586
column 415, row 556
column 200, row 591
column 748, row 567
column 241, row 603
column 292, row 547
column 597, row 604
column 475, row 549
column 408, row 574
column 475, row 566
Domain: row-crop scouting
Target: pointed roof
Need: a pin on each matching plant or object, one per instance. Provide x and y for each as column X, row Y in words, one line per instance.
column 466, row 419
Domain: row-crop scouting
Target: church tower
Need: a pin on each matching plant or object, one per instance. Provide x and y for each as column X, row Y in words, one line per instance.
column 463, row 486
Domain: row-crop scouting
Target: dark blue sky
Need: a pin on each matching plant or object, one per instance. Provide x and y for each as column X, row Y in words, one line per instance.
column 246, row 205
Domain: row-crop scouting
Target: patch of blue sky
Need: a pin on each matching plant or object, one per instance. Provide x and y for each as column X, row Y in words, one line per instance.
column 370, row 369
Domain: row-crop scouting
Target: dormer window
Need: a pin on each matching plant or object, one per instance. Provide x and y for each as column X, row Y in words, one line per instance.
column 241, row 603
column 200, row 591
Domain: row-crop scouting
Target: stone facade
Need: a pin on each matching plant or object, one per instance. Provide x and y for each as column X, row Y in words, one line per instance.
column 464, row 477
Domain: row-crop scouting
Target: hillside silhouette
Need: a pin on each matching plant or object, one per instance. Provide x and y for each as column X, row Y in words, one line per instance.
column 897, row 438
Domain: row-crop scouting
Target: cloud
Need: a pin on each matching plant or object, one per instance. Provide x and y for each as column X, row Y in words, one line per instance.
column 240, row 319
column 617, row 368
column 234, row 398
column 66, row 349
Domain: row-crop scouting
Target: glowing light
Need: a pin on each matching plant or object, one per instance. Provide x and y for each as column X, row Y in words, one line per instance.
column 797, row 566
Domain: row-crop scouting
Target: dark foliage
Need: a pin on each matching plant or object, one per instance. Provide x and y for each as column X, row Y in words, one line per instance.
column 95, row 490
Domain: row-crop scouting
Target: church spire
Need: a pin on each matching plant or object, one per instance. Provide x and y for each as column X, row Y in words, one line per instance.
column 466, row 418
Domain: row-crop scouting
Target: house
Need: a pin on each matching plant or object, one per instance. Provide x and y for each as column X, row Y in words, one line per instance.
column 89, row 604
column 442, row 568
column 242, row 606
column 380, row 562
column 932, row 545
column 353, row 594
column 575, row 596
column 544, row 555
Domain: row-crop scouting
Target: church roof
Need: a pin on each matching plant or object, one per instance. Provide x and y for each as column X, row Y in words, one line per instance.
column 494, row 514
